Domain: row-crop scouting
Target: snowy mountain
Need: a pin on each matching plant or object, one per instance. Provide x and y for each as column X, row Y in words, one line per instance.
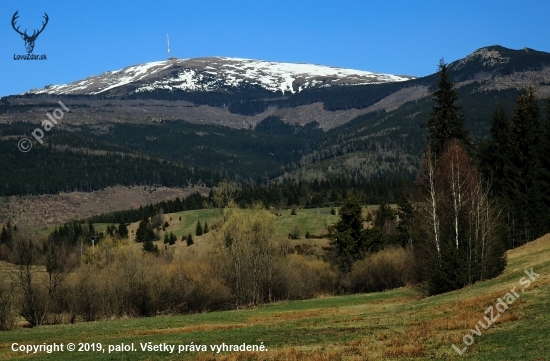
column 218, row 73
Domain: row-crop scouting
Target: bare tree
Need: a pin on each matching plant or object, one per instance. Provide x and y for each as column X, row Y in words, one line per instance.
column 158, row 219
column 460, row 219
column 7, row 305
column 245, row 239
column 429, row 202
column 37, row 296
column 225, row 193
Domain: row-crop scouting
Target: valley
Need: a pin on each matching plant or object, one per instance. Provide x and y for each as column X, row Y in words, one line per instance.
column 322, row 212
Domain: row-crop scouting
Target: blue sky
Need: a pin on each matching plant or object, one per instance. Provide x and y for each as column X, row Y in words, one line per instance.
column 85, row 37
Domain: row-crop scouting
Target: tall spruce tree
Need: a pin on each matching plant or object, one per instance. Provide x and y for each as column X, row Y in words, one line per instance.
column 445, row 122
column 348, row 238
column 493, row 153
column 522, row 169
column 455, row 219
column 545, row 170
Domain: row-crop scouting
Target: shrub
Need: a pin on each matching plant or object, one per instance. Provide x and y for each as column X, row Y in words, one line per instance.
column 295, row 232
column 306, row 277
column 384, row 270
column 150, row 247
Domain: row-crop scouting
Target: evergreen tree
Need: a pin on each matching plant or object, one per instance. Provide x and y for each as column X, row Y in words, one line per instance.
column 91, row 229
column 189, row 240
column 205, row 229
column 383, row 215
column 348, row 235
column 545, row 171
column 521, row 171
column 384, row 232
column 198, row 231
column 150, row 247
column 172, row 239
column 144, row 232
column 445, row 120
column 123, row 230
column 493, row 154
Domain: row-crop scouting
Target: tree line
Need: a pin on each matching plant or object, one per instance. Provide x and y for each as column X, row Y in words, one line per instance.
column 516, row 160
column 319, row 193
column 475, row 201
column 46, row 170
column 470, row 203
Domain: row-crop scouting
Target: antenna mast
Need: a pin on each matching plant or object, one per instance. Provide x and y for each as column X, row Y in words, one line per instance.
column 168, row 40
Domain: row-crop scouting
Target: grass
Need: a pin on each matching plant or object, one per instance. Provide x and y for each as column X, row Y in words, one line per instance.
column 313, row 220
column 188, row 223
column 398, row 324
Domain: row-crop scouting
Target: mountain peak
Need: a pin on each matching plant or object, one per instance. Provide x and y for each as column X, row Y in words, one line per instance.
column 498, row 60
column 218, row 73
column 488, row 57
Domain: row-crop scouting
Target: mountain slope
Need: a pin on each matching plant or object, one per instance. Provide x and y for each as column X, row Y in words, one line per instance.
column 497, row 61
column 368, row 131
column 217, row 73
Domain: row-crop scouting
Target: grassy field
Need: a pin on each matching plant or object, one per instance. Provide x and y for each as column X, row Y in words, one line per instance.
column 398, row 324
column 313, row 220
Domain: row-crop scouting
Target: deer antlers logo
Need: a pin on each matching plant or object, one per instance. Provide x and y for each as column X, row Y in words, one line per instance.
column 29, row 40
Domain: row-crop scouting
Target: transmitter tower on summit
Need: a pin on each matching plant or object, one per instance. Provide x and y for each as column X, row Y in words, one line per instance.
column 168, row 42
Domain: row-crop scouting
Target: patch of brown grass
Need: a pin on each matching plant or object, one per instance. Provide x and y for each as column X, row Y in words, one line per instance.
column 408, row 343
column 465, row 314
column 293, row 354
column 415, row 350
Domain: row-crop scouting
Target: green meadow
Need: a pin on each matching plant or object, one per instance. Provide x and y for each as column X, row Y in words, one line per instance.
column 400, row 324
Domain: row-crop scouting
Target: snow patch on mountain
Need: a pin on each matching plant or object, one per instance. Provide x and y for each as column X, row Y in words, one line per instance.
column 209, row 74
